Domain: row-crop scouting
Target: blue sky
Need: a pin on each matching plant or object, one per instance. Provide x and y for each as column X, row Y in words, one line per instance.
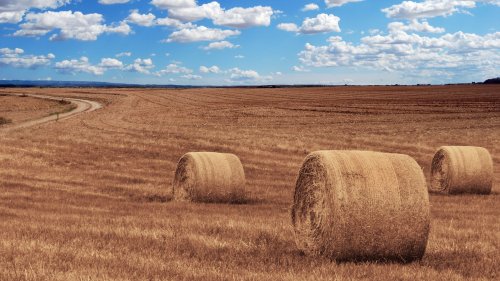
column 250, row 42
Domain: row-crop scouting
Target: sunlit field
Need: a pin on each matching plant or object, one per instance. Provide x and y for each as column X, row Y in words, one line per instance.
column 89, row 198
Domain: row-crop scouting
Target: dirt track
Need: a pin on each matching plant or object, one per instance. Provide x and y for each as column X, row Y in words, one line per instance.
column 82, row 106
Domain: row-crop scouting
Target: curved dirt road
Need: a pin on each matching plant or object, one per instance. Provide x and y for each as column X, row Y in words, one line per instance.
column 82, row 106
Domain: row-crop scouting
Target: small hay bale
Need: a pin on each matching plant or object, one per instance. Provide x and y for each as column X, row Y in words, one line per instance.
column 361, row 206
column 209, row 177
column 462, row 169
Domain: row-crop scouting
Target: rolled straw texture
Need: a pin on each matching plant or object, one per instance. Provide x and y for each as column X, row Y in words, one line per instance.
column 462, row 169
column 209, row 177
column 361, row 205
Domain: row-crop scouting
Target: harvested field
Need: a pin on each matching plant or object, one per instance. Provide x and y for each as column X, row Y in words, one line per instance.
column 19, row 109
column 88, row 198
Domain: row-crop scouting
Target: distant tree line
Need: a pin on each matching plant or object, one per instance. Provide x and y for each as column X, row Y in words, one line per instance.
column 493, row 81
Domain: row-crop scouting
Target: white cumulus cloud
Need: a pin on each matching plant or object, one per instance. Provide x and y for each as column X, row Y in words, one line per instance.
column 175, row 23
column 12, row 11
column 290, row 27
column 242, row 75
column 195, row 13
column 245, row 17
column 191, row 77
column 200, row 33
column 150, row 20
column 7, row 51
column 410, row 53
column 109, row 63
column 300, row 68
column 71, row 25
column 110, row 2
column 237, row 17
column 220, row 45
column 212, row 69
column 246, row 76
column 322, row 23
column 170, row 4
column 141, row 19
column 492, row 2
column 174, row 68
column 338, row 3
column 16, row 58
column 415, row 25
column 310, row 7
column 143, row 66
column 426, row 9
column 11, row 17
column 77, row 66
column 123, row 54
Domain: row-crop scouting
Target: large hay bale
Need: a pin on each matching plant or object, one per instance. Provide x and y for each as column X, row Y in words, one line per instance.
column 209, row 177
column 361, row 205
column 462, row 169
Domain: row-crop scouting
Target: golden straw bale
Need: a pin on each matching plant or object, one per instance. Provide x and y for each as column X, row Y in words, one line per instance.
column 361, row 205
column 462, row 169
column 209, row 177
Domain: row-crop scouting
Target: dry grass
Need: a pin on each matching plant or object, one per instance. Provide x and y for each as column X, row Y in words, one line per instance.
column 18, row 109
column 89, row 198
column 462, row 169
column 361, row 206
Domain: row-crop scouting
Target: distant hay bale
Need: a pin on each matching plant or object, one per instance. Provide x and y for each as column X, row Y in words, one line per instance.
column 209, row 177
column 462, row 169
column 360, row 206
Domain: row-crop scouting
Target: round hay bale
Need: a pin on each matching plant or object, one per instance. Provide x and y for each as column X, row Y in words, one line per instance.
column 361, row 206
column 462, row 169
column 209, row 177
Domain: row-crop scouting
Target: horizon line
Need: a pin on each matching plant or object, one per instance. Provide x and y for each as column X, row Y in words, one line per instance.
column 7, row 83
